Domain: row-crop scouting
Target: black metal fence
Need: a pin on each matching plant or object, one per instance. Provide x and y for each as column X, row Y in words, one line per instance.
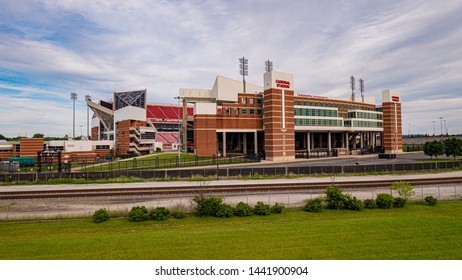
column 230, row 172
column 413, row 147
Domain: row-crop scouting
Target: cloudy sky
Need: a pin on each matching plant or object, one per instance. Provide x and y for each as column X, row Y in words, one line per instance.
column 49, row 49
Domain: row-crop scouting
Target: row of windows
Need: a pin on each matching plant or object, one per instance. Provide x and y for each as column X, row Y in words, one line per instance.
column 332, row 105
column 318, row 122
column 244, row 111
column 102, row 147
column 148, row 135
column 251, row 100
column 365, row 115
column 315, row 112
column 363, row 124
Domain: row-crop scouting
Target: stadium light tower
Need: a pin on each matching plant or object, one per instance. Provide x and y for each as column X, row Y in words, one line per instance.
column 441, row 121
column 88, row 97
column 352, row 86
column 244, row 69
column 73, row 97
column 268, row 66
column 361, row 88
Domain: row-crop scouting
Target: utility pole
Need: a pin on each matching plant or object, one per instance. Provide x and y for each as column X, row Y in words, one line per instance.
column 88, row 97
column 361, row 88
column 179, row 130
column 441, row 124
column 73, row 97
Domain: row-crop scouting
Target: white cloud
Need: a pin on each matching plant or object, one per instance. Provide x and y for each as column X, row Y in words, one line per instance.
column 98, row 47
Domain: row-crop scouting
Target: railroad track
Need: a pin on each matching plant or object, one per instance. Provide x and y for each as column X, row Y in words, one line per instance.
column 213, row 189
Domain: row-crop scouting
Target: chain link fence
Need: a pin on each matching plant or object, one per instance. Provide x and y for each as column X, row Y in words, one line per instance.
column 81, row 208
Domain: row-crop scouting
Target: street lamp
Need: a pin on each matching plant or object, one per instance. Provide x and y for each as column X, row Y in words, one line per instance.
column 178, row 140
column 441, row 124
column 445, row 127
column 88, row 97
column 73, row 97
column 434, row 131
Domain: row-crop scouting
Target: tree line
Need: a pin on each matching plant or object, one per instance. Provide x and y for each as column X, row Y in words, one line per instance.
column 449, row 147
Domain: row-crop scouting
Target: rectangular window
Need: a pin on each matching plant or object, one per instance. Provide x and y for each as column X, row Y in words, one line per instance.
column 244, row 111
column 305, row 103
column 252, row 111
column 259, row 101
column 228, row 111
column 259, row 112
column 251, row 101
column 236, row 111
column 243, row 100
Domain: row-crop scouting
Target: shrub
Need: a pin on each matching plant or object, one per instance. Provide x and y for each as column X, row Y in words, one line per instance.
column 369, row 203
column 335, row 198
column 207, row 206
column 352, row 203
column 430, row 200
column 225, row 211
column 313, row 205
column 399, row 202
column 138, row 214
column 243, row 209
column 262, row 208
column 159, row 214
column 384, row 200
column 404, row 189
column 277, row 208
column 178, row 214
column 100, row 215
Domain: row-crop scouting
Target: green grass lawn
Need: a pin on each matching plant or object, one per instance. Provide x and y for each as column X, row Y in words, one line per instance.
column 414, row 232
column 158, row 161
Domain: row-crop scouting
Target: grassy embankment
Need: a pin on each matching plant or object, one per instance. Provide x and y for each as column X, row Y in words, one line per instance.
column 414, row 232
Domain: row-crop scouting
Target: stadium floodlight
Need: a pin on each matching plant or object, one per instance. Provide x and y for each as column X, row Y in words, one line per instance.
column 352, row 86
column 244, row 69
column 441, row 123
column 361, row 88
column 88, row 97
column 73, row 97
column 268, row 66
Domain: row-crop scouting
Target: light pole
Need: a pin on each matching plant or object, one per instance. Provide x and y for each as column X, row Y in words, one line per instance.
column 445, row 127
column 434, row 131
column 179, row 129
column 81, row 132
column 73, row 97
column 88, row 97
column 441, row 124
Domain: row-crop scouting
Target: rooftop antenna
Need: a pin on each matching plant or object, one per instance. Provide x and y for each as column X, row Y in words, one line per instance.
column 268, row 66
column 361, row 88
column 244, row 69
column 352, row 85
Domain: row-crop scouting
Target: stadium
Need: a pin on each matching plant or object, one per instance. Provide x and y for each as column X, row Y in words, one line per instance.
column 233, row 118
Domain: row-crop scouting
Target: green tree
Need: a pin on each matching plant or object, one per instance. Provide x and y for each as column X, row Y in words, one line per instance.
column 434, row 148
column 2, row 137
column 335, row 198
column 404, row 189
column 38, row 135
column 453, row 147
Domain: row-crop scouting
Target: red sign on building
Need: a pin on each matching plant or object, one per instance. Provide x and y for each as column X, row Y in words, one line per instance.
column 282, row 84
column 395, row 98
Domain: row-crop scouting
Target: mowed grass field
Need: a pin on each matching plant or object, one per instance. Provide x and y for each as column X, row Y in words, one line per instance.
column 413, row 232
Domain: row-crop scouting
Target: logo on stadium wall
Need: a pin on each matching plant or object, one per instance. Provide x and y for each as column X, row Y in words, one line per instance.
column 395, row 98
column 282, row 84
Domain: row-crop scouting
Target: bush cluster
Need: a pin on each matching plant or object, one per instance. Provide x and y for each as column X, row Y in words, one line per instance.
column 430, row 200
column 138, row 214
column 313, row 205
column 384, row 200
column 337, row 200
column 399, row 202
column 352, row 203
column 178, row 214
column 243, row 209
column 214, row 206
column 369, row 203
column 159, row 214
column 100, row 215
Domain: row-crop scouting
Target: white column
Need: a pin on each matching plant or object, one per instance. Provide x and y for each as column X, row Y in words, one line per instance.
column 361, row 136
column 255, row 142
column 244, row 141
column 312, row 141
column 343, row 140
column 224, row 143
